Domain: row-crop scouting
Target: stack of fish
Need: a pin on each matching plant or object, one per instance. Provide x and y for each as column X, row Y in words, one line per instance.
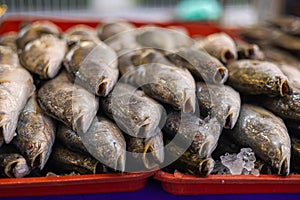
column 120, row 98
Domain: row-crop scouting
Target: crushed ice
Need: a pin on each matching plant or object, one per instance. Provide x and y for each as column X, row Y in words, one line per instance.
column 237, row 164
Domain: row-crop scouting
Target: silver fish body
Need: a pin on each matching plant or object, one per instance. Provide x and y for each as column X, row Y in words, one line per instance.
column 44, row 56
column 93, row 66
column 35, row 134
column 16, row 86
column 68, row 103
column 266, row 134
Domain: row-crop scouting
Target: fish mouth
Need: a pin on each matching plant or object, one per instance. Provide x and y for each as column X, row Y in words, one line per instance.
column 221, row 75
column 38, row 161
column 151, row 157
column 204, row 150
column 228, row 122
column 120, row 162
column 285, row 88
column 284, row 166
column 188, row 105
column 102, row 88
column 227, row 55
column 206, row 166
column 17, row 168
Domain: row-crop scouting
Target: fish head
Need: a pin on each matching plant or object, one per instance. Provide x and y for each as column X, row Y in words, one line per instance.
column 38, row 154
column 280, row 159
column 16, row 166
column 112, row 155
column 280, row 84
column 154, row 151
column 188, row 103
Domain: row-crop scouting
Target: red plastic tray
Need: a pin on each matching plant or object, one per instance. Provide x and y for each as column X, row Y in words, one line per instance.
column 228, row 184
column 81, row 184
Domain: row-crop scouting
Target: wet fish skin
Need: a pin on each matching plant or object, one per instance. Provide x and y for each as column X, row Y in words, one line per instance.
column 148, row 151
column 219, row 101
column 276, row 55
column 188, row 162
column 9, row 40
column 16, row 86
column 35, row 30
column 134, row 112
column 44, row 56
column 168, row 84
column 68, row 103
column 219, row 45
column 108, row 29
column 105, row 141
column 202, row 65
column 13, row 165
column 35, row 134
column 258, row 77
column 80, row 33
column 266, row 134
column 93, row 66
column 188, row 130
column 8, row 56
column 63, row 160
column 70, row 139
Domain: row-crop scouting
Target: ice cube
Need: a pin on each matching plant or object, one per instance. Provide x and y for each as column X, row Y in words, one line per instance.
column 233, row 163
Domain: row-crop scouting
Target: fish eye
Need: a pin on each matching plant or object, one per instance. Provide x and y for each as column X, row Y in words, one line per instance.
column 271, row 154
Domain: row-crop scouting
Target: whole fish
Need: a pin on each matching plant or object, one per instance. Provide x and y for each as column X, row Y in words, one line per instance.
column 249, row 51
column 68, row 103
column 109, row 29
column 16, row 86
column 221, row 102
column 134, row 112
column 258, row 77
column 131, row 60
column 185, row 161
column 202, row 65
column 8, row 56
column 80, row 33
column 9, row 40
column 13, row 165
column 157, row 38
column 266, row 134
column 44, row 56
column 105, row 142
column 62, row 160
column 34, row 31
column 148, row 151
column 187, row 130
column 219, row 45
column 168, row 84
column 35, row 134
column 70, row 139
column 93, row 66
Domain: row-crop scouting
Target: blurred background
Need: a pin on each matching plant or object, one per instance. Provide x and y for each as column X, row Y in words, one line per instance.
column 229, row 13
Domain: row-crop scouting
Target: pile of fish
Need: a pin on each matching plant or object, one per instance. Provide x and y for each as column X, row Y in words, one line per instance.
column 119, row 98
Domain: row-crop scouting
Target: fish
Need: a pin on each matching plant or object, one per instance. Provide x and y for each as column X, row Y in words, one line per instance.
column 112, row 28
column 249, row 51
column 16, row 86
column 35, row 134
column 44, row 56
column 155, row 37
column 130, row 61
column 220, row 101
column 80, row 33
column 9, row 39
column 180, row 34
column 219, row 45
column 288, row 24
column 260, row 35
column 105, row 142
column 8, row 56
column 13, row 165
column 134, row 112
column 258, row 77
column 293, row 73
column 202, row 65
column 266, row 134
column 168, row 84
column 64, row 161
column 34, row 31
column 295, row 154
column 93, row 66
column 70, row 139
column 68, row 103
column 148, row 151
column 288, row 42
column 189, row 131
column 185, row 161
column 276, row 55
